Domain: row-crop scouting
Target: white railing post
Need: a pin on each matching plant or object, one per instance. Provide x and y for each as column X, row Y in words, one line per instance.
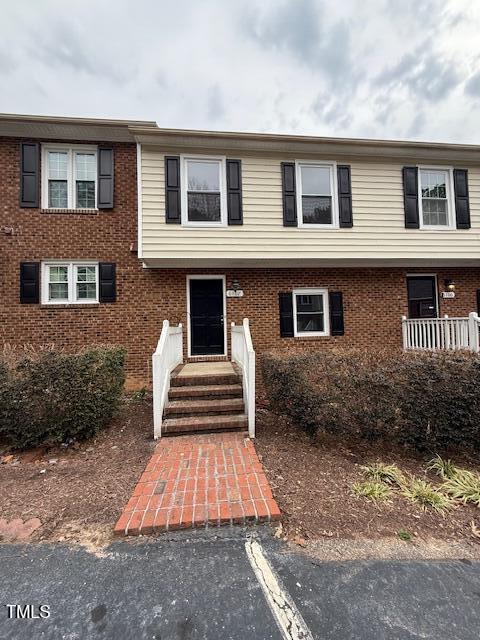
column 473, row 331
column 250, row 378
column 405, row 332
column 243, row 355
column 167, row 356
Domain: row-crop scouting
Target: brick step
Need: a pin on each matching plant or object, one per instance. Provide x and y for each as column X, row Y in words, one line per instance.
column 204, row 423
column 201, row 406
column 206, row 391
column 204, row 380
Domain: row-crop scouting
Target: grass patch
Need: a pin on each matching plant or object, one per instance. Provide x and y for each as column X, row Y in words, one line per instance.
column 443, row 468
column 426, row 496
column 372, row 490
column 463, row 486
column 404, row 535
column 380, row 472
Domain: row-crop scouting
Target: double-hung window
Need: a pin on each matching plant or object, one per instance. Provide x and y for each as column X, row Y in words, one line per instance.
column 69, row 177
column 69, row 282
column 204, row 200
column 316, row 194
column 310, row 312
column 435, row 198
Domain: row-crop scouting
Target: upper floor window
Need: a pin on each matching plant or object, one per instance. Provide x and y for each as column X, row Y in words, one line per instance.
column 436, row 204
column 69, row 282
column 316, row 194
column 204, row 191
column 70, row 177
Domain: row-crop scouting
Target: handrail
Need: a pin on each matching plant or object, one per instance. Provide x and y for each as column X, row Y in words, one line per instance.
column 243, row 355
column 168, row 355
column 433, row 334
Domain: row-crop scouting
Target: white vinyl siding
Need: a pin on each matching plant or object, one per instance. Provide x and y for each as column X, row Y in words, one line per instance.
column 378, row 230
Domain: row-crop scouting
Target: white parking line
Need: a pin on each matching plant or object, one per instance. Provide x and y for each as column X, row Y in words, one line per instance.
column 287, row 616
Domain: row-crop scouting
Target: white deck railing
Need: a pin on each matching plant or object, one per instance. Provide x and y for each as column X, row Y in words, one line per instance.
column 168, row 355
column 432, row 334
column 244, row 355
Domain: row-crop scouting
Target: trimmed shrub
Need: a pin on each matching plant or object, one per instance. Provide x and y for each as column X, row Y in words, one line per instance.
column 50, row 396
column 428, row 400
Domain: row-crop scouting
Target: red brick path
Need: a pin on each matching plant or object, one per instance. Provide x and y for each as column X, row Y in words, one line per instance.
column 195, row 481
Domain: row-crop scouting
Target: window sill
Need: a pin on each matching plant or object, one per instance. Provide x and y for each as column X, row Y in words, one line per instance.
column 319, row 227
column 88, row 305
column 204, row 225
column 80, row 212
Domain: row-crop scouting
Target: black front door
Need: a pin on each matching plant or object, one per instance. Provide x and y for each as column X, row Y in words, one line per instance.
column 422, row 297
column 206, row 318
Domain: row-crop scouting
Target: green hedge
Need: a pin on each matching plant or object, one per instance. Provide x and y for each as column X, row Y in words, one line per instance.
column 50, row 396
column 428, row 400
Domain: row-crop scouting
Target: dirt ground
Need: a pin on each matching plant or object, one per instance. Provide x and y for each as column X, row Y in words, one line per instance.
column 78, row 492
column 312, row 483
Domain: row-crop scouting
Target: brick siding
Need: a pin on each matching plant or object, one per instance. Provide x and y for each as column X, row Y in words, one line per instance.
column 374, row 299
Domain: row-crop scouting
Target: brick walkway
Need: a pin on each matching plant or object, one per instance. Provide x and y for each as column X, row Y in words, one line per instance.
column 199, row 480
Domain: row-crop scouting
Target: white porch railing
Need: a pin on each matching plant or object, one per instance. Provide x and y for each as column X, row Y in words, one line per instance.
column 432, row 334
column 244, row 355
column 168, row 355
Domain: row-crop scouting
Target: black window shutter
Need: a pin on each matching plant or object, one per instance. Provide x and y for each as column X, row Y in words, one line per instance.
column 289, row 195
column 337, row 327
column 108, row 284
column 29, row 174
column 462, row 204
column 172, row 190
column 410, row 197
column 286, row 314
column 344, row 180
column 478, row 301
column 29, row 282
column 234, row 191
column 106, row 171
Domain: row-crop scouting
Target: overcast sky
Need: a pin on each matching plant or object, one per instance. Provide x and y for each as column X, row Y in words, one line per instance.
column 369, row 68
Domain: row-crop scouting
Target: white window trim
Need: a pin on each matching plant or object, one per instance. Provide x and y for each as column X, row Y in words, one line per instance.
column 450, row 199
column 71, row 191
column 72, row 289
column 326, row 312
column 332, row 165
column 223, row 191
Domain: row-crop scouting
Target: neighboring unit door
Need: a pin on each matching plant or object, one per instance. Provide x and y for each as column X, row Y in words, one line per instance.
column 422, row 297
column 206, row 317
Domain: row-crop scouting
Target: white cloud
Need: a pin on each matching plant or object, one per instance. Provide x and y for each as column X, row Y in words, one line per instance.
column 383, row 68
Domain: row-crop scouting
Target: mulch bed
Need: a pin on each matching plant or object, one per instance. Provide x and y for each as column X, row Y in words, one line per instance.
column 88, row 484
column 312, row 483
column 87, row 487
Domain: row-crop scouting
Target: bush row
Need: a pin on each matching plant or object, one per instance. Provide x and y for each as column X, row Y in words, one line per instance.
column 428, row 400
column 49, row 396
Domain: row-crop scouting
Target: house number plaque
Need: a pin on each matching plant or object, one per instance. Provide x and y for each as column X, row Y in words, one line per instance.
column 234, row 293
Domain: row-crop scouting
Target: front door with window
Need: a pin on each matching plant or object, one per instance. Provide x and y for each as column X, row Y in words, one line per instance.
column 206, row 317
column 422, row 297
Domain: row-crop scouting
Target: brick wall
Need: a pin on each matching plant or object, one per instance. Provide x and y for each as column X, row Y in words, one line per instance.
column 374, row 299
